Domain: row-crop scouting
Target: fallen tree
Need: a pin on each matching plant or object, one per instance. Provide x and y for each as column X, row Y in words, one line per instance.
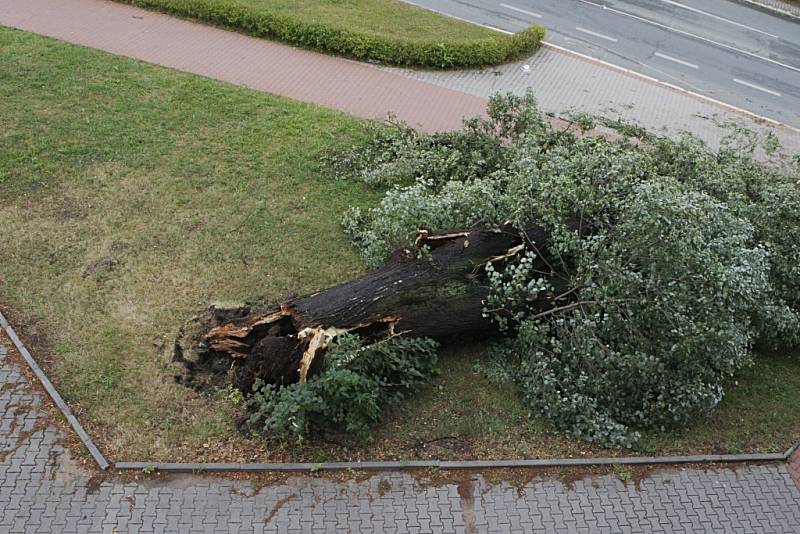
column 629, row 283
column 435, row 289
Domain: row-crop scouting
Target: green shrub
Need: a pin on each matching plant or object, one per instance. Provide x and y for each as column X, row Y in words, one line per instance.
column 349, row 394
column 362, row 45
column 683, row 258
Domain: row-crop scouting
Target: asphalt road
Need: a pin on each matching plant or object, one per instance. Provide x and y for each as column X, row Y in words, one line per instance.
column 731, row 52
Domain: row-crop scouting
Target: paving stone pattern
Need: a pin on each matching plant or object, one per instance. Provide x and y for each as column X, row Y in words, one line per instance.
column 356, row 88
column 43, row 490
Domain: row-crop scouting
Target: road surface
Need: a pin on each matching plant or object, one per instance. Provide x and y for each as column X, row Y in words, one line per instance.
column 731, row 52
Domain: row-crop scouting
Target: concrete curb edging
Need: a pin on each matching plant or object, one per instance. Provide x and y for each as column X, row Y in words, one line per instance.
column 101, row 461
column 446, row 465
column 202, row 467
column 770, row 9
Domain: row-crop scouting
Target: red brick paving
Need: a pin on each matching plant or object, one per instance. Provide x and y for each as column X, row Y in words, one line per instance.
column 338, row 83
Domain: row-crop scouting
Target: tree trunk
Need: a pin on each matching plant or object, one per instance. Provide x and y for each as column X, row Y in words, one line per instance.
column 437, row 290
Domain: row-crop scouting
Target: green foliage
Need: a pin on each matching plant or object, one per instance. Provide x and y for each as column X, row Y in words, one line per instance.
column 682, row 259
column 661, row 320
column 350, row 392
column 326, row 36
column 770, row 201
column 623, row 475
column 439, row 181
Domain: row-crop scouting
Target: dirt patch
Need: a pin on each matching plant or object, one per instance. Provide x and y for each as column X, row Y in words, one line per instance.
column 447, row 445
column 384, row 487
column 111, row 261
column 131, row 503
column 466, row 490
column 278, row 505
column 39, row 426
column 93, row 485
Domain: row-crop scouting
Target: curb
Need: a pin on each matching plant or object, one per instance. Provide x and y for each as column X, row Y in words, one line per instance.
column 770, row 9
column 101, row 461
column 202, row 467
column 446, row 465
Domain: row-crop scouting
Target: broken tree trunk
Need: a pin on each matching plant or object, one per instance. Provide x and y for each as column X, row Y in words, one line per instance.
column 437, row 290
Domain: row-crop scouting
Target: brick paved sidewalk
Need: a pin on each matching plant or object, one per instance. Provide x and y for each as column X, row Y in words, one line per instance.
column 43, row 490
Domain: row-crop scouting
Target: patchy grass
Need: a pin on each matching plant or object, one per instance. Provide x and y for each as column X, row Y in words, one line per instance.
column 132, row 196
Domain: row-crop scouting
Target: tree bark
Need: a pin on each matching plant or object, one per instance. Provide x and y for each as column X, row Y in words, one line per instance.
column 437, row 290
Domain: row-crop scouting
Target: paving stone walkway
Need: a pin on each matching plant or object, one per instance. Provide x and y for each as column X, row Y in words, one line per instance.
column 43, row 490
column 564, row 83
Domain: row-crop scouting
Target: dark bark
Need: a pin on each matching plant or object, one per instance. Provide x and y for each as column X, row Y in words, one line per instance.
column 437, row 290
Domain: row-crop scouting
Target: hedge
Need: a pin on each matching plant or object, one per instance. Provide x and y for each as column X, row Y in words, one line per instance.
column 355, row 44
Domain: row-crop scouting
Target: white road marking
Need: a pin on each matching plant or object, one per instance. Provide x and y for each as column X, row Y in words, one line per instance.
column 693, row 35
column 523, row 11
column 756, row 87
column 676, row 60
column 723, row 19
column 600, row 35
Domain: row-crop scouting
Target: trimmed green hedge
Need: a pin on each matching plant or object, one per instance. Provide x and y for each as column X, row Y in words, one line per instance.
column 360, row 45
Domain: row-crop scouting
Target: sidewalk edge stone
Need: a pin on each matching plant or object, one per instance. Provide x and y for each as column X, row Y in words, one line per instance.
column 202, row 467
column 101, row 461
column 451, row 465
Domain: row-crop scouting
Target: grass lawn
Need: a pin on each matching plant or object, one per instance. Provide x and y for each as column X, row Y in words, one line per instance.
column 132, row 196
